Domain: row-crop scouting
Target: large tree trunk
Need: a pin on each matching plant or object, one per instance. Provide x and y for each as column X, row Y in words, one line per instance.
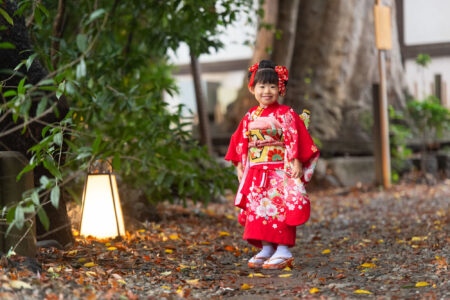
column 263, row 48
column 60, row 228
column 286, row 25
column 333, row 70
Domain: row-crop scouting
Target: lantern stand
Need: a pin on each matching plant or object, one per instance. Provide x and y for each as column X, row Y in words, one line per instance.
column 96, row 192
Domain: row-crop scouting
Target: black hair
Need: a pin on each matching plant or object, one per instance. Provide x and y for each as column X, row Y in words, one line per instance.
column 265, row 73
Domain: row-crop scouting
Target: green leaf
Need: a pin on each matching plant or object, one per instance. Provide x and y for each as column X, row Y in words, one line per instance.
column 49, row 164
column 20, row 87
column 44, row 181
column 43, row 9
column 19, row 217
column 82, row 42
column 41, row 106
column 116, row 162
column 27, row 168
column 11, row 214
column 54, row 196
column 10, row 93
column 35, row 197
column 58, row 139
column 7, row 45
column 43, row 218
column 95, row 15
column 60, row 90
column 6, row 16
column 30, row 60
column 81, row 69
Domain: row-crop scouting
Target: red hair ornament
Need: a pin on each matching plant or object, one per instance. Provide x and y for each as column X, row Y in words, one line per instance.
column 283, row 76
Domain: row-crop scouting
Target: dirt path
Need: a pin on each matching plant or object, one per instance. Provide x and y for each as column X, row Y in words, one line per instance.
column 357, row 244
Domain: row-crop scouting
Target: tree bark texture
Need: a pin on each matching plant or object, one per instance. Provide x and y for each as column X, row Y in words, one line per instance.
column 333, row 69
column 263, row 48
column 16, row 141
column 287, row 25
column 333, row 66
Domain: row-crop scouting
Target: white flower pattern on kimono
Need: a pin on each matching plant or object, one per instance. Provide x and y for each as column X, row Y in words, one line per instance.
column 271, row 210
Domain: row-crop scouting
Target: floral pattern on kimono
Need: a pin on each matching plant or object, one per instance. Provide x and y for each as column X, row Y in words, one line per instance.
column 273, row 203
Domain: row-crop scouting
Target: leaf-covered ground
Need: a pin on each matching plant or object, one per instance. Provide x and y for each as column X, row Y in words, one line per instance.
column 358, row 243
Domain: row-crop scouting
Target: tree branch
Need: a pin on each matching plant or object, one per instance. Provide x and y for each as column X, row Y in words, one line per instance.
column 58, row 29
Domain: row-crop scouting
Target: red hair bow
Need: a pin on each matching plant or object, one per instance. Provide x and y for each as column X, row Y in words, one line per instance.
column 282, row 72
column 283, row 76
column 253, row 69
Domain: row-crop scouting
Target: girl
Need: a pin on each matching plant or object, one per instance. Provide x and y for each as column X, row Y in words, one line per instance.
column 274, row 156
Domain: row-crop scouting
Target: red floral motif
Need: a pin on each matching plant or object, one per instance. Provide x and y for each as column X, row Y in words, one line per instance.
column 275, row 155
column 283, row 76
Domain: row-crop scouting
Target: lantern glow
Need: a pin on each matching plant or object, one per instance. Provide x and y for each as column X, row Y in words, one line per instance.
column 101, row 211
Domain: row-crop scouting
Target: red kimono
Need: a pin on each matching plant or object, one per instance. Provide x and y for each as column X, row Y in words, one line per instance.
column 272, row 202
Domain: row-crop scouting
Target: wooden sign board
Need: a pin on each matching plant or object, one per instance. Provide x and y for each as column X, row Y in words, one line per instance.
column 382, row 27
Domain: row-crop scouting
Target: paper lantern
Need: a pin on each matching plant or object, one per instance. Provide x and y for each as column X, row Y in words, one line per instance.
column 101, row 213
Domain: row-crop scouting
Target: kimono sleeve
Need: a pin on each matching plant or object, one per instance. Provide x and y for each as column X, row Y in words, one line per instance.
column 299, row 143
column 235, row 149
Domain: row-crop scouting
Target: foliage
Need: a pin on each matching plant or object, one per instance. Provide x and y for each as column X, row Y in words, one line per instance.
column 112, row 68
column 423, row 60
column 428, row 118
column 399, row 133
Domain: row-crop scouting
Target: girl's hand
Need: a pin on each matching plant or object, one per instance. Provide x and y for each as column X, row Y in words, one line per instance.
column 240, row 171
column 297, row 168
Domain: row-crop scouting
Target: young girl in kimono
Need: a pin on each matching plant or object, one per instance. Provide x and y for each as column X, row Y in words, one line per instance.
column 274, row 156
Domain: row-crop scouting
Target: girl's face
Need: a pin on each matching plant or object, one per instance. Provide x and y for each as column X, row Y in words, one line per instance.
column 265, row 93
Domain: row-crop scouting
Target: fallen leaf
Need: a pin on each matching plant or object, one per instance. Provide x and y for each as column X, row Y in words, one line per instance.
column 18, row 284
column 81, row 260
column 285, row 275
column 368, row 265
column 174, row 237
column 122, row 281
column 89, row 264
column 313, row 290
column 72, row 252
column 418, row 238
column 192, row 281
column 257, row 275
column 169, row 251
column 224, row 233
column 326, row 251
column 362, row 292
column 287, row 269
column 229, row 248
column 166, row 273
column 91, row 273
column 422, row 283
column 245, row 287
column 166, row 287
column 111, row 248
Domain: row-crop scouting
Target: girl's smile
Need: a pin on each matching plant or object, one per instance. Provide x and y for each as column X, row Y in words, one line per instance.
column 265, row 93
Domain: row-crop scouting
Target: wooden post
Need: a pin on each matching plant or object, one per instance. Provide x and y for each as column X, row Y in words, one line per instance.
column 205, row 137
column 383, row 42
column 376, row 134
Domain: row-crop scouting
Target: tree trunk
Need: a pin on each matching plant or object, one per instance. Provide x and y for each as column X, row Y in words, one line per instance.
column 333, row 69
column 283, row 48
column 60, row 229
column 263, row 49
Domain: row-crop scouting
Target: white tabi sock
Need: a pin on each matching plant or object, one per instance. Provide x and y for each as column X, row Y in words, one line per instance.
column 282, row 251
column 267, row 251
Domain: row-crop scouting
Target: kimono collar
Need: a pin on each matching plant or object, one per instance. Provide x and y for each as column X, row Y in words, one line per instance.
column 271, row 106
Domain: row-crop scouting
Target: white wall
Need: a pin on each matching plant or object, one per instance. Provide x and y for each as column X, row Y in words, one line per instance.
column 420, row 80
column 426, row 21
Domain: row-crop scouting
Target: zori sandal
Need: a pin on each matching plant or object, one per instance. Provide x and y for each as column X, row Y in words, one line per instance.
column 285, row 262
column 257, row 262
